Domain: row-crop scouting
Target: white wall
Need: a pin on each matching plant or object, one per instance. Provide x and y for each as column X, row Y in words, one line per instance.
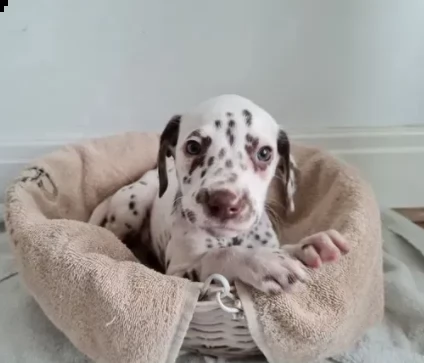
column 78, row 68
column 82, row 68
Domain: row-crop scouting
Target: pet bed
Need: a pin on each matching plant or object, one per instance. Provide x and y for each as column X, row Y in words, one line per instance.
column 114, row 309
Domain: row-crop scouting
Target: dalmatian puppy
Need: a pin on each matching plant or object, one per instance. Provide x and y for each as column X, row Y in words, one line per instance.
column 206, row 200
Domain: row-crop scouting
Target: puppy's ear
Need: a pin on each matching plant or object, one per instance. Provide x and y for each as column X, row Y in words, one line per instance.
column 168, row 142
column 288, row 167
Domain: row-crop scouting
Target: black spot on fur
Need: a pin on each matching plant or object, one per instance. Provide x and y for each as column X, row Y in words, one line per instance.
column 131, row 205
column 112, row 219
column 103, row 222
column 237, row 241
column 128, row 226
column 131, row 186
column 229, row 114
column 142, row 182
column 291, row 279
column 186, row 180
column 229, row 163
column 132, row 196
column 249, row 246
column 221, row 153
column 218, row 124
column 264, row 241
column 191, row 216
column 211, row 160
column 202, row 198
column 186, row 276
column 247, row 117
column 230, row 137
column 251, row 148
column 203, row 173
column 135, row 213
column 257, row 237
column 199, row 161
column 209, row 245
column 231, row 123
column 243, row 167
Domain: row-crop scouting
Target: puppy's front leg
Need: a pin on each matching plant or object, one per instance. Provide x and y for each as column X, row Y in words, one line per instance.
column 319, row 248
column 268, row 270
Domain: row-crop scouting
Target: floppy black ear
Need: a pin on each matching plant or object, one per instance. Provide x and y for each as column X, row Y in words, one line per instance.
column 289, row 168
column 168, row 142
column 283, row 147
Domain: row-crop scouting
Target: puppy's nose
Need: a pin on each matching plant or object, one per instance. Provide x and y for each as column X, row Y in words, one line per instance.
column 224, row 204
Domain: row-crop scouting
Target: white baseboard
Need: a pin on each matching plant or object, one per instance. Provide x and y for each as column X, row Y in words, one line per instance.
column 391, row 159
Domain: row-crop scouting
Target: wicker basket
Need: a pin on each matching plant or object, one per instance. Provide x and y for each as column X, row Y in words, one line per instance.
column 219, row 327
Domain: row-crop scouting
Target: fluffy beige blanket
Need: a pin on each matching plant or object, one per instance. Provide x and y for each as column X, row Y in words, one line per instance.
column 114, row 309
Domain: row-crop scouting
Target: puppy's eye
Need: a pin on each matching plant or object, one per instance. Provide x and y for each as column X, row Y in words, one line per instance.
column 193, row 147
column 264, row 154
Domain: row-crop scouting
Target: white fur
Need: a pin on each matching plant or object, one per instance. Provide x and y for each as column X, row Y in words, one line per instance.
column 197, row 247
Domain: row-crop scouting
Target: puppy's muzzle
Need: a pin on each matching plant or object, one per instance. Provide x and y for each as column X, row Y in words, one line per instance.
column 222, row 204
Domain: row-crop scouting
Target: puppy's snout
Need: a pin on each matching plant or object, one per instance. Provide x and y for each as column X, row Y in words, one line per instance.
column 222, row 204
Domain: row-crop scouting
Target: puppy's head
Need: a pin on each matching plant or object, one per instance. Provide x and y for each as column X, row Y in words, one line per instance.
column 226, row 152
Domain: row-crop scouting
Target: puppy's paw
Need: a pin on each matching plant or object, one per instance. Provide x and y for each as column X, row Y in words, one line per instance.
column 322, row 247
column 271, row 271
